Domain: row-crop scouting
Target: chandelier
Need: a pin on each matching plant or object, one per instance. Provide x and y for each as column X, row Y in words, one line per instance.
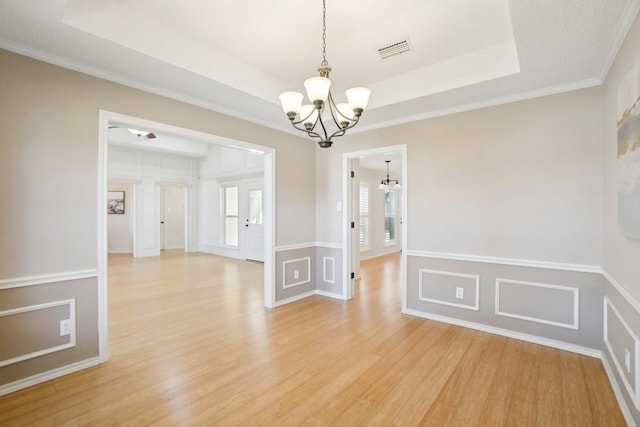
column 385, row 184
column 309, row 117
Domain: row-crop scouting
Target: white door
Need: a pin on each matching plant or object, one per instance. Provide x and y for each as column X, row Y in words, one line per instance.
column 254, row 223
column 172, row 217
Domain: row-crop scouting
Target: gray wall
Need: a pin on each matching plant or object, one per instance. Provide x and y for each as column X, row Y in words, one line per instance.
column 621, row 254
column 560, row 305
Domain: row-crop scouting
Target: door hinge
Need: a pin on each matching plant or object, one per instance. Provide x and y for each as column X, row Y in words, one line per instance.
column 353, row 224
column 353, row 275
column 353, row 174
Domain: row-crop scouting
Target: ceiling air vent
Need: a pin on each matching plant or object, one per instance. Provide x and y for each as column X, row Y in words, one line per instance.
column 393, row 49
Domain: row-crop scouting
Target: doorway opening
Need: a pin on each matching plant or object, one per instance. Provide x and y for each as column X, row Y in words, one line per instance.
column 370, row 233
column 173, row 224
column 175, row 169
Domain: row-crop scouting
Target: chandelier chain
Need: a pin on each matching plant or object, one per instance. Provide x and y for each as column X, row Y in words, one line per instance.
column 324, row 33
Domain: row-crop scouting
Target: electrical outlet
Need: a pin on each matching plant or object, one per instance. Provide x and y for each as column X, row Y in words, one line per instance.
column 627, row 360
column 460, row 293
column 65, row 327
column 296, row 274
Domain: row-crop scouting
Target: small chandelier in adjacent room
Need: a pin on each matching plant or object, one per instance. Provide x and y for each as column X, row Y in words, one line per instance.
column 385, row 184
column 308, row 118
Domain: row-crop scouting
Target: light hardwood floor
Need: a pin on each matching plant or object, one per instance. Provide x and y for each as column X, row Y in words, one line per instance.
column 191, row 344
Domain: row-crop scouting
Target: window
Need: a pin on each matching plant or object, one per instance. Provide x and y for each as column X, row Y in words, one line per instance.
column 389, row 217
column 364, row 216
column 231, row 216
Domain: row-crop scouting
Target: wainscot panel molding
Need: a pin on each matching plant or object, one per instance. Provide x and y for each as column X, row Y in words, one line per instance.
column 625, row 356
column 475, row 283
column 44, row 279
column 623, row 290
column 299, row 280
column 507, row 261
column 574, row 304
column 561, row 345
column 71, row 303
column 617, row 391
column 48, row 376
column 328, row 269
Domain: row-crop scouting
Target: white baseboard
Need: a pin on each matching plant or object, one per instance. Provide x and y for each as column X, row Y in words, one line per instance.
column 617, row 391
column 47, row 376
column 295, row 298
column 510, row 334
column 307, row 295
column 330, row 294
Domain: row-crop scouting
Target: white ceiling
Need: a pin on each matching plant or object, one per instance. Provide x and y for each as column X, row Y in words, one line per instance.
column 237, row 56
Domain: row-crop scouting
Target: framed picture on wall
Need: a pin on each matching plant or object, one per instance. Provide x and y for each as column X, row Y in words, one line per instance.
column 629, row 153
column 115, row 202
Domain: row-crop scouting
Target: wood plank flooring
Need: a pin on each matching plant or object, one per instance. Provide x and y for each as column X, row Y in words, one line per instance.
column 191, row 344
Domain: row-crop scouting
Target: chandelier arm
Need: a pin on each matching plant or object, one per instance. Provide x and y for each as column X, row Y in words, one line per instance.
column 303, row 119
column 311, row 133
column 324, row 129
column 335, row 113
column 342, row 131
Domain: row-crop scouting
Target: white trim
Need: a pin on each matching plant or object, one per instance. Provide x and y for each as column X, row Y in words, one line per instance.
column 329, row 245
column 617, row 391
column 72, row 336
column 624, row 24
column 44, row 279
column 103, row 250
column 105, row 117
column 324, row 269
column 634, row 391
column 269, row 209
column 48, row 376
column 295, row 246
column 576, row 303
column 307, row 295
column 623, row 290
column 561, row 345
column 507, row 261
column 347, row 282
column 145, row 87
column 523, row 96
column 475, row 307
column 329, row 294
column 295, row 298
column 302, row 281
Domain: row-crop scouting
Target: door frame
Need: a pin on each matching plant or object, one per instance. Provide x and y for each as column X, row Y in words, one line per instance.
column 348, row 215
column 106, row 117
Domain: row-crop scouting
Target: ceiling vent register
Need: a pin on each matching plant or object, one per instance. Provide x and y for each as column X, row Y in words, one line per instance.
column 394, row 49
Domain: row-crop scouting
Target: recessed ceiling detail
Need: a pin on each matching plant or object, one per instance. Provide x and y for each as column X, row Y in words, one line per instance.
column 464, row 54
